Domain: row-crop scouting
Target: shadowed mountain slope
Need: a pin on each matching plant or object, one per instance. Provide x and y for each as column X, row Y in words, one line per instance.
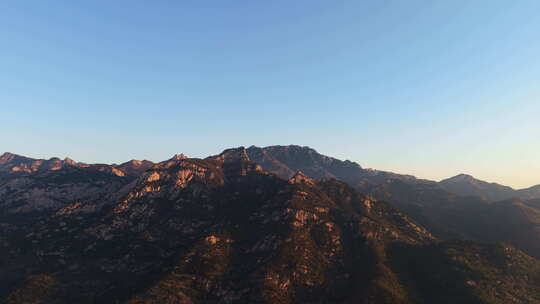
column 529, row 193
column 449, row 209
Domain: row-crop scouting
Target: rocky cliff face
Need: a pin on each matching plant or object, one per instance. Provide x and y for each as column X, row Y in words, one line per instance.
column 223, row 230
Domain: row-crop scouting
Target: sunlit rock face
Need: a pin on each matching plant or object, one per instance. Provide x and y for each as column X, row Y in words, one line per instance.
column 12, row 163
column 300, row 177
column 135, row 167
column 222, row 230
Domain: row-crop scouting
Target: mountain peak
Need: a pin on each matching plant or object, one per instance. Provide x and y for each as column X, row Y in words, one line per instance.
column 467, row 185
column 136, row 167
column 301, row 178
column 233, row 155
column 69, row 161
column 8, row 156
column 461, row 177
column 179, row 157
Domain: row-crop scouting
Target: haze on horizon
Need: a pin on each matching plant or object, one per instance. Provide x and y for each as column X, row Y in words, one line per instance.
column 429, row 89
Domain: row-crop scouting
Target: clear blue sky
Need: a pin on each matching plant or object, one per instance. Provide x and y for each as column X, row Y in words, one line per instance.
column 431, row 88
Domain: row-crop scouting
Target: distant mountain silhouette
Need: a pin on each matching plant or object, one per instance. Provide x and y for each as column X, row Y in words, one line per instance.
column 466, row 185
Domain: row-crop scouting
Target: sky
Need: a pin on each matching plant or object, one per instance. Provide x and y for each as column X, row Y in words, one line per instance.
column 429, row 88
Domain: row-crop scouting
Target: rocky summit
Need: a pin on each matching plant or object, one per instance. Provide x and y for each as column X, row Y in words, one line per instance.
column 243, row 226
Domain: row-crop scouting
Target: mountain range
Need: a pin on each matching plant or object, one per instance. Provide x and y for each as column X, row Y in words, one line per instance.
column 449, row 209
column 281, row 224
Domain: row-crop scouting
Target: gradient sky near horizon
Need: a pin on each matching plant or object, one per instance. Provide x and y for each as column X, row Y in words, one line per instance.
column 429, row 88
